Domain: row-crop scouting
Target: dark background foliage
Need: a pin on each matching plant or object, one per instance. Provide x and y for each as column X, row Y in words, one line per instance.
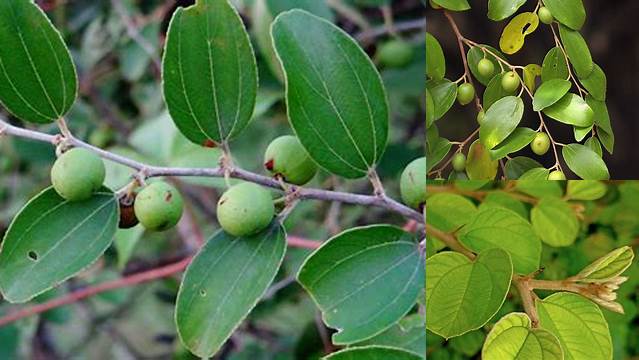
column 612, row 36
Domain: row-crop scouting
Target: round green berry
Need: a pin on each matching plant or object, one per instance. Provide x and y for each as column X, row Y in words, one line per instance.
column 245, row 209
column 480, row 116
column 545, row 16
column 158, row 206
column 77, row 174
column 465, row 93
column 556, row 175
column 286, row 157
column 459, row 162
column 412, row 184
column 510, row 82
column 540, row 144
column 485, row 67
column 395, row 53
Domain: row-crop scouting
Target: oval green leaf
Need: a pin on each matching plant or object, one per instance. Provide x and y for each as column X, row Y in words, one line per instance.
column 555, row 222
column 38, row 81
column 372, row 353
column 52, row 239
column 455, row 5
column 568, row 12
column 596, row 83
column 559, row 312
column 584, row 162
column 608, row 266
column 479, row 164
column 571, row 109
column 335, row 97
column 501, row 120
column 461, row 295
column 500, row 9
column 516, row 141
column 504, row 229
column 577, row 51
column 435, row 60
column 494, row 91
column 514, row 34
column 364, row 280
column 586, row 189
column 554, row 65
column 444, row 93
column 223, row 283
column 550, row 92
column 448, row 212
column 209, row 72
column 513, row 338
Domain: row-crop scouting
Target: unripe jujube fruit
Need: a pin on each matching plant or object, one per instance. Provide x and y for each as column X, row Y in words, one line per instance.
column 485, row 67
column 510, row 81
column 556, row 175
column 459, row 162
column 480, row 116
column 77, row 174
column 465, row 93
column 540, row 144
column 158, row 206
column 285, row 156
column 545, row 16
column 395, row 53
column 412, row 184
column 245, row 209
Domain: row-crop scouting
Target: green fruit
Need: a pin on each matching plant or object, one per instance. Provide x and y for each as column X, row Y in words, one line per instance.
column 245, row 209
column 158, row 206
column 480, row 116
column 510, row 82
column 412, row 184
column 77, row 174
column 556, row 175
column 285, row 156
column 485, row 67
column 459, row 162
column 545, row 16
column 395, row 53
column 465, row 93
column 540, row 144
column 101, row 137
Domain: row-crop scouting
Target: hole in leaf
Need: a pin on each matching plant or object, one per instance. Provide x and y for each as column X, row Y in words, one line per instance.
column 202, row 292
column 33, row 255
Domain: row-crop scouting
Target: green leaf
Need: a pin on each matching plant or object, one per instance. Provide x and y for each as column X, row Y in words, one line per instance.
column 502, row 199
column 535, row 174
column 38, row 81
column 602, row 120
column 581, row 132
column 436, row 152
column 555, row 222
column 209, row 72
column 586, row 189
column 430, row 109
column 335, row 97
column 501, row 120
column 494, row 91
column 514, row 34
column 462, row 295
column 364, row 280
column 372, row 353
column 560, row 312
column 577, row 51
column 594, row 145
column 517, row 166
column 408, row 334
column 516, row 141
column 52, row 239
column 435, row 60
column 475, row 54
column 506, row 230
column 568, row 12
column 608, row 266
column 512, row 337
column 536, row 188
column 479, row 164
column 571, row 109
column 584, row 162
column 531, row 72
column 448, row 212
column 444, row 93
column 500, row 9
column 223, row 283
column 550, row 92
column 596, row 83
column 455, row 5
column 554, row 65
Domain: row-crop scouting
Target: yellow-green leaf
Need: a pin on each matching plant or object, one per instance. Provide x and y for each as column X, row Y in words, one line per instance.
column 512, row 38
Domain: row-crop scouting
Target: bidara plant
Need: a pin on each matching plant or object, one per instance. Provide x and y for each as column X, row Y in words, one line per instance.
column 531, row 269
column 367, row 281
column 567, row 89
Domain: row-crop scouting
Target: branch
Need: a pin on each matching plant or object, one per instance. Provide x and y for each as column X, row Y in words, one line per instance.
column 380, row 201
column 135, row 279
column 400, row 26
column 134, row 33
